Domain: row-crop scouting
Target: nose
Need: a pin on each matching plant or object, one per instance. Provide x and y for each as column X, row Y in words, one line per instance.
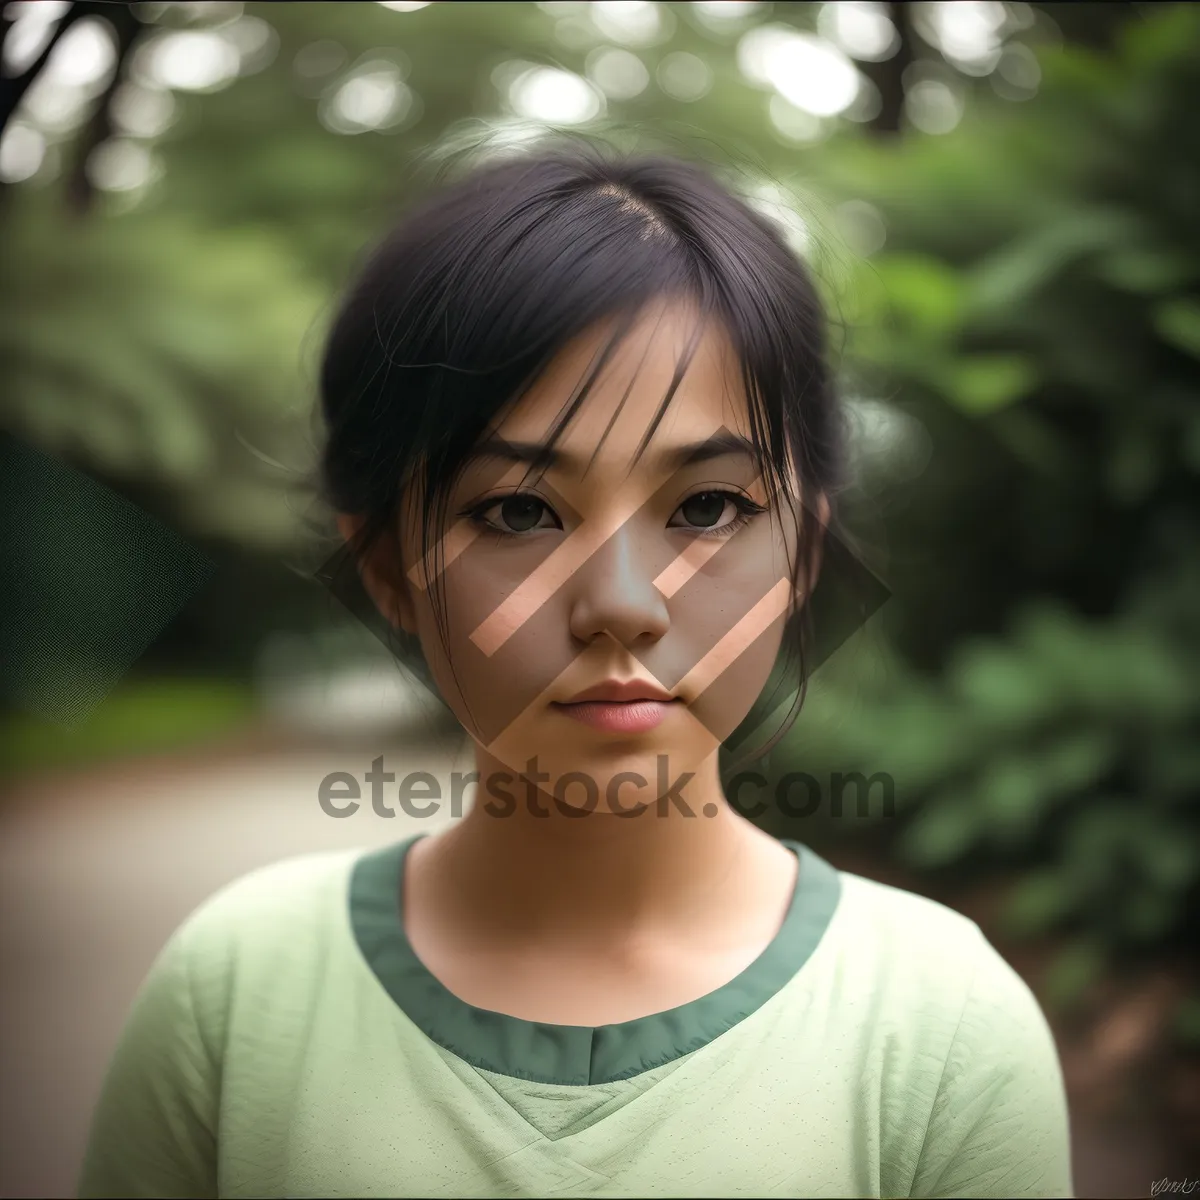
column 614, row 593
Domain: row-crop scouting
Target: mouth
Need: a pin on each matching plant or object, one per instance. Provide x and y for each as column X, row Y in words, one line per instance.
column 628, row 706
column 616, row 691
column 619, row 716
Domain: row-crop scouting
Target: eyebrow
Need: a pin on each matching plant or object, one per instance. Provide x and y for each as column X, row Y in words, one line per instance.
column 676, row 458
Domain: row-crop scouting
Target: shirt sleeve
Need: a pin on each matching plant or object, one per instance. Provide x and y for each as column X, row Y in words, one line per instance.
column 153, row 1132
column 998, row 1124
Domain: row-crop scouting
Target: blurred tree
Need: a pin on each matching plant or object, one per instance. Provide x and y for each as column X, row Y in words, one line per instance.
column 1017, row 273
column 1036, row 314
column 888, row 74
column 125, row 28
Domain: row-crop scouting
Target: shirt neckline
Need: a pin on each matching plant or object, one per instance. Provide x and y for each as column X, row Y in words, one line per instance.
column 574, row 1054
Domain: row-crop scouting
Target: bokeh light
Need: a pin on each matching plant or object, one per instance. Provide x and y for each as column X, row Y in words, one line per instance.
column 121, row 165
column 1017, row 74
column 618, row 73
column 373, row 97
column 189, row 60
column 861, row 28
column 862, row 227
column 808, row 71
column 314, row 63
column 684, row 76
column 967, row 32
column 22, row 149
column 554, row 96
column 632, row 22
column 33, row 26
column 775, row 203
column 795, row 125
column 143, row 111
column 933, row 106
column 256, row 42
column 723, row 16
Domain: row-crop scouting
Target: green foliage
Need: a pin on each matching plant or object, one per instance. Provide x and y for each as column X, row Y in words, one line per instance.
column 1041, row 317
column 1187, row 1021
column 1034, row 311
column 143, row 716
column 184, row 343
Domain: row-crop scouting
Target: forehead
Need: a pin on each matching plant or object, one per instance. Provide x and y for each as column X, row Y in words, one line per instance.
column 631, row 388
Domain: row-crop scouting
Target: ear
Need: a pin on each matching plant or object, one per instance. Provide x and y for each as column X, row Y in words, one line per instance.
column 382, row 576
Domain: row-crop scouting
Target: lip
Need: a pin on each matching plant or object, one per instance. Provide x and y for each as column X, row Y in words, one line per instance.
column 621, row 691
column 618, row 716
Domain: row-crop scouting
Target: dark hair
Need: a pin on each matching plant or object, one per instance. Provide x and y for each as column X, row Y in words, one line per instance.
column 465, row 303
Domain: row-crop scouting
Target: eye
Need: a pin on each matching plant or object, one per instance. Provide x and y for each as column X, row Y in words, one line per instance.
column 516, row 514
column 706, row 509
column 715, row 512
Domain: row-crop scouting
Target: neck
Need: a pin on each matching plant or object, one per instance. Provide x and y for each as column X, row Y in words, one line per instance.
column 530, row 870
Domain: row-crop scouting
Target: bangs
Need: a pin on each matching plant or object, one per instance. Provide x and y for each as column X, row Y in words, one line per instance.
column 470, row 299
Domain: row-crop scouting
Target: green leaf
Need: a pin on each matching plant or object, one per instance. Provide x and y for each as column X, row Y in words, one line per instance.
column 1174, row 766
column 1178, row 323
column 1186, row 1022
column 925, row 292
column 1038, row 903
column 1159, row 34
column 1133, row 467
column 1145, row 916
column 1077, row 760
column 984, row 383
column 1012, row 276
column 1074, row 970
column 1144, row 272
column 1032, row 440
column 1095, row 843
column 942, row 832
column 1005, row 690
column 1169, row 853
column 1191, row 444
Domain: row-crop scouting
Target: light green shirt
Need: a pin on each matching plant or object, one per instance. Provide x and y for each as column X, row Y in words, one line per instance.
column 288, row 1042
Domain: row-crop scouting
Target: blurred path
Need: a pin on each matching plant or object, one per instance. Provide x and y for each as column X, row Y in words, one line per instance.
column 97, row 869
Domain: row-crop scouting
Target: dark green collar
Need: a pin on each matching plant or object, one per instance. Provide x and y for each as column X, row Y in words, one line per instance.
column 575, row 1054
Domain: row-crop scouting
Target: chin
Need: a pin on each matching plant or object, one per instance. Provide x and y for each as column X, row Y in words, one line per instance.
column 620, row 778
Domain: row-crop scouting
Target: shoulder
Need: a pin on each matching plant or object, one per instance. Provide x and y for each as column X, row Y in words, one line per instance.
column 909, row 937
column 236, row 971
column 266, row 930
column 289, row 890
column 970, row 1056
column 931, row 975
column 894, row 912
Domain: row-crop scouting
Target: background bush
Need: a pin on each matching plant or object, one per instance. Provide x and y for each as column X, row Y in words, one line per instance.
column 1021, row 319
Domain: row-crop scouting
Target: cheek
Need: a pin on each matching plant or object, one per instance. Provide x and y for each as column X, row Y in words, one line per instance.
column 496, row 681
column 726, row 700
column 731, row 619
column 495, row 678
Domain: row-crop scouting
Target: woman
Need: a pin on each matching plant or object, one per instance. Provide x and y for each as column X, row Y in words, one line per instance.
column 583, row 446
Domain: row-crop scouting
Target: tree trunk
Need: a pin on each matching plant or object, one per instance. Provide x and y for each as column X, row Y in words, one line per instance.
column 888, row 76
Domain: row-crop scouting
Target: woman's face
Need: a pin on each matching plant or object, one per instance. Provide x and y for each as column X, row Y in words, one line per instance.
column 669, row 574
